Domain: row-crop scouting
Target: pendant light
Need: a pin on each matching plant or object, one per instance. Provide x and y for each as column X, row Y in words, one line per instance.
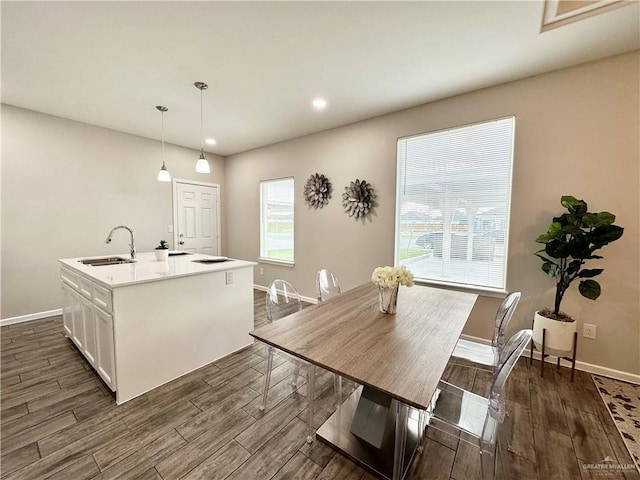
column 163, row 174
column 202, row 166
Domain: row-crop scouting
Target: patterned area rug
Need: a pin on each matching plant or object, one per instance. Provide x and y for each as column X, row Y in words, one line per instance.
column 623, row 401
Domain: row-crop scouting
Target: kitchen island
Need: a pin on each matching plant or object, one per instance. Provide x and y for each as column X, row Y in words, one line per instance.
column 145, row 323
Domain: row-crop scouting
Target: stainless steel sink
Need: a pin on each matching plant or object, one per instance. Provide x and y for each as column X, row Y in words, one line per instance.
column 100, row 262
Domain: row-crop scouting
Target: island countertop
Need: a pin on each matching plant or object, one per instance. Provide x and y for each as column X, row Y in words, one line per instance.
column 146, row 323
column 147, row 269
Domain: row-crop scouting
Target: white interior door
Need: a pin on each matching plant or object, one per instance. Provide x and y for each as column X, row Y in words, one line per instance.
column 197, row 208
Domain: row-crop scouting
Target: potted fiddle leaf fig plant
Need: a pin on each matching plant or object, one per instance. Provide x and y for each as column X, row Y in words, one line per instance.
column 570, row 241
column 162, row 251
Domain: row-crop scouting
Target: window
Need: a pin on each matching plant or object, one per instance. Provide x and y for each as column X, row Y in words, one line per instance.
column 453, row 201
column 276, row 220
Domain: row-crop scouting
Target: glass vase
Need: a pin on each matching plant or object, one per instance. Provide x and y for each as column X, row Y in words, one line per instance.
column 388, row 297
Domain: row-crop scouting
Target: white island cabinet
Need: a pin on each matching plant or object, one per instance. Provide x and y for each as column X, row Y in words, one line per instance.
column 143, row 324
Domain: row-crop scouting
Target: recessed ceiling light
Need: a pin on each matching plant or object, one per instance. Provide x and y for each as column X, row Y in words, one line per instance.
column 319, row 103
column 210, row 141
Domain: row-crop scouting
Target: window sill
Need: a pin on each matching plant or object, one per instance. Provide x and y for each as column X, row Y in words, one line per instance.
column 483, row 292
column 273, row 261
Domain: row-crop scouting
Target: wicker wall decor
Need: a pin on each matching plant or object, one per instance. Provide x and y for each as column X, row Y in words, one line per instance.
column 317, row 191
column 358, row 198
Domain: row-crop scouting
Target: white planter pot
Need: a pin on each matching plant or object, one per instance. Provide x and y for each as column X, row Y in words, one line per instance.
column 558, row 338
column 162, row 254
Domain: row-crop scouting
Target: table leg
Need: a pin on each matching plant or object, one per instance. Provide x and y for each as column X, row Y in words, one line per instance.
column 311, row 393
column 400, row 440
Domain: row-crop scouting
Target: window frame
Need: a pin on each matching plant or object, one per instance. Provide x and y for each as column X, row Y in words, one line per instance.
column 485, row 290
column 263, row 257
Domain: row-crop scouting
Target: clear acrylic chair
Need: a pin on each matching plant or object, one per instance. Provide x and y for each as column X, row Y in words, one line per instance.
column 473, row 418
column 282, row 300
column 327, row 285
column 489, row 355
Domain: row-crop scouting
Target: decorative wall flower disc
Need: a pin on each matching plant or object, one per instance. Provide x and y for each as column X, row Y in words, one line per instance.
column 358, row 198
column 317, row 191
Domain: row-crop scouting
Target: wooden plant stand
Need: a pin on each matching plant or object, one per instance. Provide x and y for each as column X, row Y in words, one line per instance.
column 571, row 359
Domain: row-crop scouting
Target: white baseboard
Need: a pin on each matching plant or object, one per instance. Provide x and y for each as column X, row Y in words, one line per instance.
column 30, row 317
column 583, row 366
column 304, row 299
column 484, row 341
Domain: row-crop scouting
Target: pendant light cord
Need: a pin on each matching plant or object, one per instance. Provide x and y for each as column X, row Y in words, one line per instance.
column 201, row 126
column 162, row 138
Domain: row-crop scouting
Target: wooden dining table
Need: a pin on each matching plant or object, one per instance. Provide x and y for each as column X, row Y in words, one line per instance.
column 400, row 357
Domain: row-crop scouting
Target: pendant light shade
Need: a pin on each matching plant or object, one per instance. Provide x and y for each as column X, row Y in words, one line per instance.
column 163, row 174
column 202, row 166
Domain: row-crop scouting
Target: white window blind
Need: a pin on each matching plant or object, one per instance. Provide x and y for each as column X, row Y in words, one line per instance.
column 453, row 201
column 276, row 220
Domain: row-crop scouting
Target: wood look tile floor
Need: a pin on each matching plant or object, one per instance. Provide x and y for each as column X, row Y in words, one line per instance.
column 59, row 421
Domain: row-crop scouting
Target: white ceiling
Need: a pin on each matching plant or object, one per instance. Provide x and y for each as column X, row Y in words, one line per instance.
column 111, row 63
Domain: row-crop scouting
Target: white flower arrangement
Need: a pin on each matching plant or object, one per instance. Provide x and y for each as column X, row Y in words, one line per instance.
column 390, row 277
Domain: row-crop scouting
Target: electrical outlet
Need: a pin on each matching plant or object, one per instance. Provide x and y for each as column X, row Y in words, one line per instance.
column 261, row 271
column 588, row 331
column 170, row 229
column 229, row 277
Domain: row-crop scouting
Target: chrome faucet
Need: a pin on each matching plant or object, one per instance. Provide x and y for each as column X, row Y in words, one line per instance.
column 133, row 242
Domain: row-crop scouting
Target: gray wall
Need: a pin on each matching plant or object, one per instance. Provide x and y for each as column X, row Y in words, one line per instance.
column 576, row 133
column 65, row 184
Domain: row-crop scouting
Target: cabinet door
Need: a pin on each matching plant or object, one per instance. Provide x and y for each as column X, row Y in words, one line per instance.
column 88, row 322
column 67, row 311
column 78, row 322
column 105, row 348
